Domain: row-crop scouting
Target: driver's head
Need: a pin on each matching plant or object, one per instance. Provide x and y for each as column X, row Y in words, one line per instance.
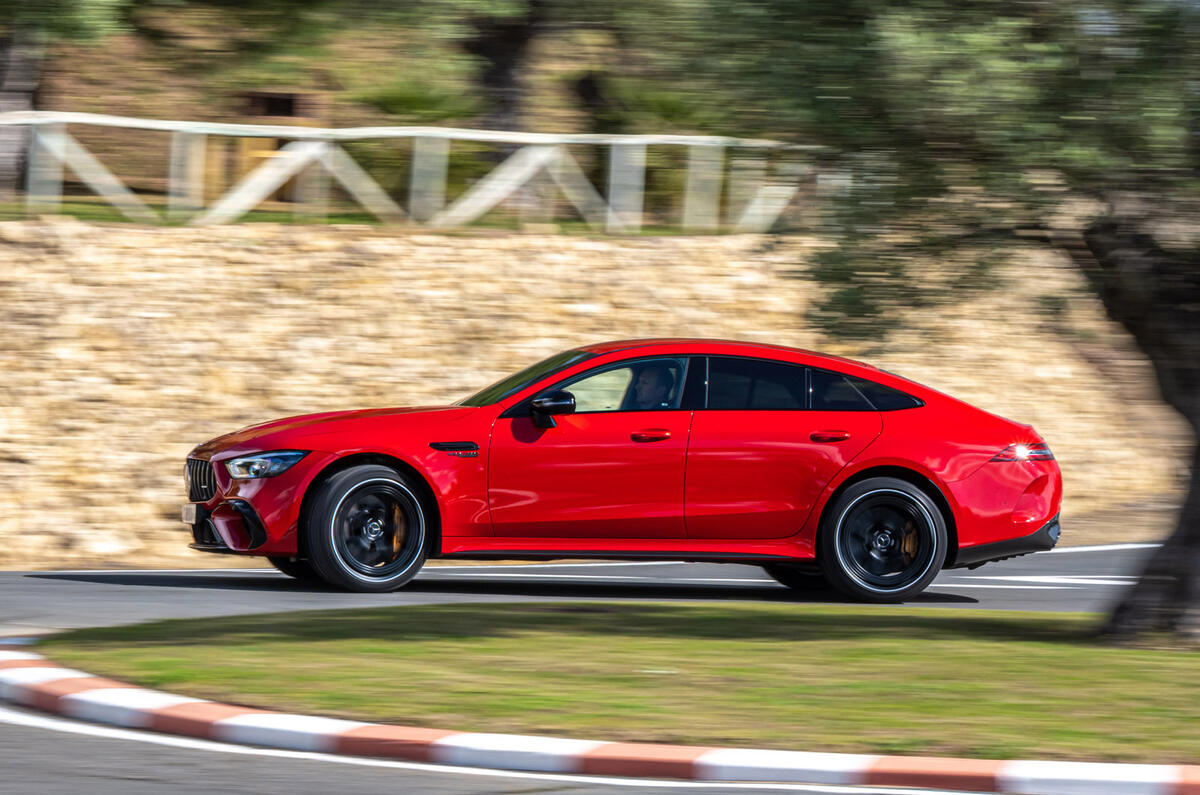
column 653, row 387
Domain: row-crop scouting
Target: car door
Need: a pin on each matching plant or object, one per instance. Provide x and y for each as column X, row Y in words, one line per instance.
column 612, row 469
column 759, row 457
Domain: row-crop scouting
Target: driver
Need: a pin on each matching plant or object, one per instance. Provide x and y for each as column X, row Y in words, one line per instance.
column 652, row 389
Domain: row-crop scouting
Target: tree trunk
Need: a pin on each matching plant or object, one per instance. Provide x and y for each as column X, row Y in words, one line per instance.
column 1166, row 597
column 503, row 45
column 21, row 61
column 1155, row 295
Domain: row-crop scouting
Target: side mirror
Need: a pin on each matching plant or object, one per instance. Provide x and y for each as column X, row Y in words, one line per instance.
column 546, row 405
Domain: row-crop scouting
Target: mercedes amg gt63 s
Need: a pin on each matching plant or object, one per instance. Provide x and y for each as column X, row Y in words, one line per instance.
column 817, row 468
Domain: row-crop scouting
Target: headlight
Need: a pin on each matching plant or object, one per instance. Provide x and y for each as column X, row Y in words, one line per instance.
column 263, row 465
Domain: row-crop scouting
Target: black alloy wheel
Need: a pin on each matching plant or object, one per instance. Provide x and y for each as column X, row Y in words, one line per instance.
column 367, row 529
column 296, row 568
column 883, row 540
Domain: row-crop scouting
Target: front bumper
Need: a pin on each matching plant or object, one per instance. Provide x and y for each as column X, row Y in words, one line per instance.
column 256, row 516
column 1041, row 540
column 231, row 527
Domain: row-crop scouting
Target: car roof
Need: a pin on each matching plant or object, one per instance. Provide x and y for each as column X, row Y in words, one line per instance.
column 699, row 345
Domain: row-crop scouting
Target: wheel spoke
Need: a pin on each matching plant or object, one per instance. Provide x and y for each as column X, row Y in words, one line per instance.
column 360, row 548
column 880, row 541
column 874, row 564
column 374, row 537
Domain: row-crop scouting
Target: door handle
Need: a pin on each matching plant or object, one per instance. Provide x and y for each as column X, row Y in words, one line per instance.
column 650, row 435
column 829, row 436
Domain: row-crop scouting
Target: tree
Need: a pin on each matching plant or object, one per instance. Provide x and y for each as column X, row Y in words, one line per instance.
column 1073, row 123
column 25, row 27
column 498, row 35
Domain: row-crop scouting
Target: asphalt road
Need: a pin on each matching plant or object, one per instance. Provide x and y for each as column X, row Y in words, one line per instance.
column 32, row 602
column 47, row 755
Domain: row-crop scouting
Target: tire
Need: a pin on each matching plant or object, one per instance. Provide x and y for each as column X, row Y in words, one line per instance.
column 295, row 568
column 882, row 540
column 367, row 529
column 796, row 577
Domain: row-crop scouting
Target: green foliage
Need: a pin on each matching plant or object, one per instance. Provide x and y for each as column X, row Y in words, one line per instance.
column 64, row 18
column 419, row 102
column 950, row 119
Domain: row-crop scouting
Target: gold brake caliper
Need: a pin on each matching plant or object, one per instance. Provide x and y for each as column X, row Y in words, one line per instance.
column 400, row 531
column 909, row 546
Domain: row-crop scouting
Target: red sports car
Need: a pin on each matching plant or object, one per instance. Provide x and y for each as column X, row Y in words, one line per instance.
column 819, row 469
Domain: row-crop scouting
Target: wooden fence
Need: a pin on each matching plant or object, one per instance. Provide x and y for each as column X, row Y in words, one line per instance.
column 758, row 191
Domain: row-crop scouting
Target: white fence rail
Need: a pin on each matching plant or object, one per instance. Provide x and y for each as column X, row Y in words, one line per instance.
column 756, row 194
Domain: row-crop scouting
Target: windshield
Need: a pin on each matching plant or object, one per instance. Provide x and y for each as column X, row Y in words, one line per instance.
column 518, row 381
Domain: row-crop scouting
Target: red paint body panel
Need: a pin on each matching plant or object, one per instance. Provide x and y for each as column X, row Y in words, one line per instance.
column 757, row 474
column 588, row 477
column 988, row 500
column 724, row 485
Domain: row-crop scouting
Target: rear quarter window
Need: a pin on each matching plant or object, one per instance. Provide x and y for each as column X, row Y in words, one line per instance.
column 834, row 392
column 884, row 398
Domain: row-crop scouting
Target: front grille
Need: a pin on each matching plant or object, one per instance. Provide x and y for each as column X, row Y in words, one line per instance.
column 202, row 484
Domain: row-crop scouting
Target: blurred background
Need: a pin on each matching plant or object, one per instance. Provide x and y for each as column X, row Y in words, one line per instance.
column 902, row 182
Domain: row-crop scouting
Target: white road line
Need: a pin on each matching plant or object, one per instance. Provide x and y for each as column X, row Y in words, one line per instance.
column 250, row 570
column 957, row 585
column 152, row 571
column 1064, row 579
column 1099, row 548
column 18, row 718
column 565, row 565
column 535, row 576
column 497, row 575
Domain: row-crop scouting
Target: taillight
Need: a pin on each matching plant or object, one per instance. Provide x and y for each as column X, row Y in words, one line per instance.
column 1031, row 451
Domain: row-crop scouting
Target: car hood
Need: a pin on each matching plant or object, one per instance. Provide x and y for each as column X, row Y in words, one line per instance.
column 291, row 432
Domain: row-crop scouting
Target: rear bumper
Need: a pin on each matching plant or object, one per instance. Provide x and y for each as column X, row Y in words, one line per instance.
column 1042, row 539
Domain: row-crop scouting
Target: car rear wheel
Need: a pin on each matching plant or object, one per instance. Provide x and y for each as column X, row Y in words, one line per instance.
column 797, row 577
column 882, row 540
column 295, row 568
column 366, row 529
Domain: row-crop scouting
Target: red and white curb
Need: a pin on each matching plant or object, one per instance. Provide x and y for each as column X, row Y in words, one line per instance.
column 31, row 680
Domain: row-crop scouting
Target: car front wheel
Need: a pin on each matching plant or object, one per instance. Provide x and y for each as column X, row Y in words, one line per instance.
column 882, row 540
column 367, row 529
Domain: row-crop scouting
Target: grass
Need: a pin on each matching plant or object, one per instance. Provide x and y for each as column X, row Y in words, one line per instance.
column 96, row 211
column 853, row 679
column 99, row 212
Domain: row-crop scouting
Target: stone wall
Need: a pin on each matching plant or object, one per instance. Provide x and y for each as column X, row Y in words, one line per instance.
column 122, row 347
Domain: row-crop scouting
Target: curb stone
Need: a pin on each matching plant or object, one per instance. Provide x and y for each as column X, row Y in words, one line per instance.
column 28, row 679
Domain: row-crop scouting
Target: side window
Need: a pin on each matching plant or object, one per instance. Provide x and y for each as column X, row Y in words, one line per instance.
column 642, row 385
column 884, row 398
column 603, row 391
column 754, row 384
column 834, row 392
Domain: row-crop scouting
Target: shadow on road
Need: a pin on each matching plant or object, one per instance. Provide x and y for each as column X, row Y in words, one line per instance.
column 174, row 580
column 464, row 585
column 663, row 590
column 746, row 620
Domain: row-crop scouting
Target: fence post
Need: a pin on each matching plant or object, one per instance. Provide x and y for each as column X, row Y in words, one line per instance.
column 310, row 195
column 186, row 176
column 747, row 174
column 44, row 181
column 626, row 186
column 702, row 196
column 427, row 183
